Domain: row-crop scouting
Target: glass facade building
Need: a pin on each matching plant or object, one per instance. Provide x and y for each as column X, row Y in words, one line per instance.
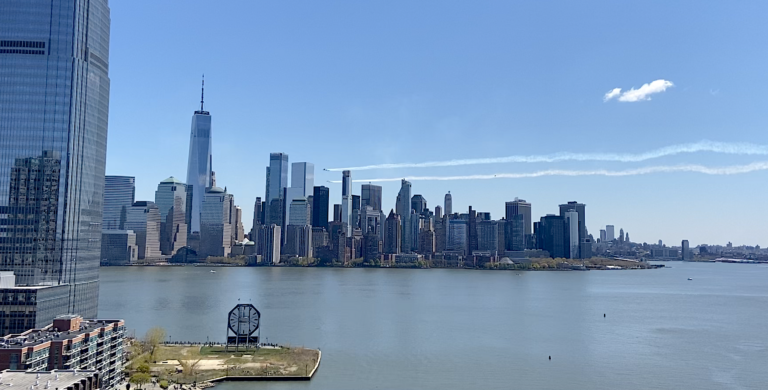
column 119, row 195
column 277, row 181
column 54, row 104
column 199, row 164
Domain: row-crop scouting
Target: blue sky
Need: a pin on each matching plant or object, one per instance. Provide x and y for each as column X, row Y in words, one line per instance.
column 350, row 83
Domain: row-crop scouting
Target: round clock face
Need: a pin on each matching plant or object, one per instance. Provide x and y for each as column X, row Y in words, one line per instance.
column 244, row 320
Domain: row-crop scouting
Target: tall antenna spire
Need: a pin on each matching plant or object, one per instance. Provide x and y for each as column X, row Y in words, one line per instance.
column 202, row 94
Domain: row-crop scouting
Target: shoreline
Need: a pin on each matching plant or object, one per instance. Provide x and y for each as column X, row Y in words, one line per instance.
column 545, row 265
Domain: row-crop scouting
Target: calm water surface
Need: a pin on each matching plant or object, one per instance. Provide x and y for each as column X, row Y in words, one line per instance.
column 462, row 329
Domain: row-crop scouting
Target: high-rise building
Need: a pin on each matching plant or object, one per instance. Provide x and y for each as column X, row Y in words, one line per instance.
column 355, row 217
column 621, row 236
column 572, row 228
column 603, row 235
column 392, row 233
column 258, row 214
column 520, row 206
column 418, row 204
column 686, row 250
column 370, row 220
column 448, row 204
column 346, row 201
column 580, row 208
column 302, row 184
column 320, row 203
column 403, row 209
column 277, row 182
column 268, row 243
column 609, row 233
column 487, row 235
column 370, row 195
column 216, row 223
column 551, row 236
column 54, row 104
column 170, row 198
column 239, row 229
column 514, row 233
column 299, row 212
column 118, row 247
column 200, row 162
column 119, row 195
column 144, row 219
column 337, row 213
column 438, row 212
column 298, row 240
column 472, row 243
column 457, row 235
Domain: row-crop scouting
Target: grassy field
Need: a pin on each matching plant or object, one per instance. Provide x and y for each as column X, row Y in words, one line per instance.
column 187, row 364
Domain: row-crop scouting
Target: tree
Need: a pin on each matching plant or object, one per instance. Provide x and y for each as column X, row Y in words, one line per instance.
column 163, row 384
column 140, row 379
column 143, row 368
column 153, row 339
column 189, row 366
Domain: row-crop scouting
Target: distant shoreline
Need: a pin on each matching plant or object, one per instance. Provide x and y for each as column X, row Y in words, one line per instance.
column 542, row 265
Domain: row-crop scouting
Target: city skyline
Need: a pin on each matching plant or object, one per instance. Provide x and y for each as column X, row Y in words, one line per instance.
column 485, row 92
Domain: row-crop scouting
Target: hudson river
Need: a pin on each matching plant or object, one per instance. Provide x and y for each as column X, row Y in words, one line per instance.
column 465, row 329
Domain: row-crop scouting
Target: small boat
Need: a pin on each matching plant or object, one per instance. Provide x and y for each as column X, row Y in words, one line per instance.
column 690, row 278
column 213, row 272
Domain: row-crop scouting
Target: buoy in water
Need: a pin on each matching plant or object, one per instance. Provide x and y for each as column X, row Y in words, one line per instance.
column 603, row 315
column 550, row 357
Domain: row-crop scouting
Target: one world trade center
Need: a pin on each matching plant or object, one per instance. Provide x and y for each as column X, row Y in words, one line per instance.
column 199, row 166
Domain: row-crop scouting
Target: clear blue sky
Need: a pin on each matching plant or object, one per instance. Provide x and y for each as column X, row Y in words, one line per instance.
column 348, row 83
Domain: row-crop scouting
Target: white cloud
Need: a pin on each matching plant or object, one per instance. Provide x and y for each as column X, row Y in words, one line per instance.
column 612, row 94
column 639, row 94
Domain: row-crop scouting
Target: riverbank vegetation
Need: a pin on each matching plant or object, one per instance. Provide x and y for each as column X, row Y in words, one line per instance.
column 152, row 359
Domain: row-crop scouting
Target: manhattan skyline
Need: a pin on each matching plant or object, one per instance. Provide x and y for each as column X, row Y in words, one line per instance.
column 434, row 89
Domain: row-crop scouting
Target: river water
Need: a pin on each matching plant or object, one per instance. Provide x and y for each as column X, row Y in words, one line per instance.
column 466, row 329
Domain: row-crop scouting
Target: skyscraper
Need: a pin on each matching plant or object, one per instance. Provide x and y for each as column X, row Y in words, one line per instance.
column 302, row 184
column 572, row 230
column 403, row 209
column 448, row 205
column 299, row 212
column 200, row 162
column 216, row 223
column 580, row 209
column 144, row 219
column 346, row 201
column 54, row 104
column 320, row 203
column 370, row 195
column 686, row 250
column 609, row 233
column 170, row 198
column 119, row 195
column 277, row 180
column 418, row 203
column 520, row 206
column 392, row 233
column 603, row 235
column 551, row 236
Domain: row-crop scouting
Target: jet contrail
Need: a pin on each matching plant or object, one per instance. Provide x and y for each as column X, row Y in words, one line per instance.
column 728, row 170
column 701, row 146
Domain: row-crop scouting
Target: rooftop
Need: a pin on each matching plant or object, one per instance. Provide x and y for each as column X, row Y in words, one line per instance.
column 172, row 180
column 43, row 379
column 35, row 337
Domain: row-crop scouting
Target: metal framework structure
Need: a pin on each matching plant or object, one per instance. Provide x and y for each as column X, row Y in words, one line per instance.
column 243, row 327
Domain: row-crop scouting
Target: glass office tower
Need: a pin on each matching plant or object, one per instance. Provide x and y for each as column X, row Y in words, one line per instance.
column 199, row 164
column 54, row 103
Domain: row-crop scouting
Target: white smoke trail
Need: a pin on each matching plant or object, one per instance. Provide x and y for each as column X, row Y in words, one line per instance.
column 728, row 170
column 739, row 148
